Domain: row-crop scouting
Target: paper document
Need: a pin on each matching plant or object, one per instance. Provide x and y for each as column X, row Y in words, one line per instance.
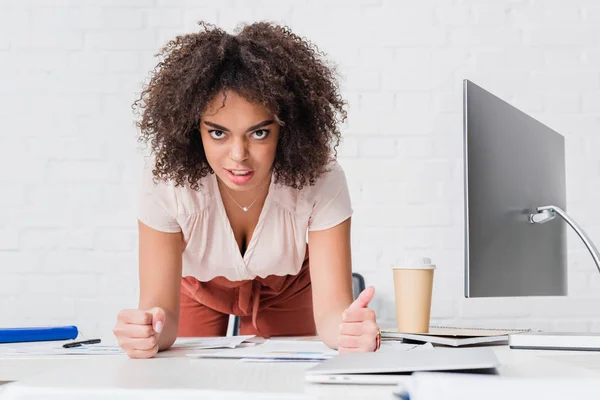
column 37, row 349
column 219, row 342
column 54, row 348
column 272, row 349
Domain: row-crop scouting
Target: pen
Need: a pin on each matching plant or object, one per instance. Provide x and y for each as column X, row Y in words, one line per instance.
column 80, row 343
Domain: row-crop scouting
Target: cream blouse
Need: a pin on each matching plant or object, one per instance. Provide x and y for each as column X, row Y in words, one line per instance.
column 278, row 243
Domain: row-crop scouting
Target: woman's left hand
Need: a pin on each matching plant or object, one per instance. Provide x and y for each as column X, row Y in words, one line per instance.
column 359, row 332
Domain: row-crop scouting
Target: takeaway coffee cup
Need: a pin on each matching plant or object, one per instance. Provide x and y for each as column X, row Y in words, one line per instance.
column 413, row 283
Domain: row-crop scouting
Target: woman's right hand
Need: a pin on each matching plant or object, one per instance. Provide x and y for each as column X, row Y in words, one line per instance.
column 138, row 331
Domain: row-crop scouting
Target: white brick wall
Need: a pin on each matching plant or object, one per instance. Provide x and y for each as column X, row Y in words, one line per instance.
column 68, row 157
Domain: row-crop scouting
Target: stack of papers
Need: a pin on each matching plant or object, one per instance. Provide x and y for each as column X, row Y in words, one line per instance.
column 218, row 342
column 282, row 350
column 54, row 348
column 453, row 336
column 277, row 350
column 37, row 349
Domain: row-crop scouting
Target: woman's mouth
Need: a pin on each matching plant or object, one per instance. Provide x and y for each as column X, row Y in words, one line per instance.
column 239, row 176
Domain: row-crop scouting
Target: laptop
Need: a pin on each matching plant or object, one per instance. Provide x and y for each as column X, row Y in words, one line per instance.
column 391, row 367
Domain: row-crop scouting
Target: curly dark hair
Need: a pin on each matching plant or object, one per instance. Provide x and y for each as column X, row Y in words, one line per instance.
column 265, row 63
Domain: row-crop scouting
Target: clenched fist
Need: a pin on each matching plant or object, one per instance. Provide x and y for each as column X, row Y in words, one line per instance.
column 137, row 331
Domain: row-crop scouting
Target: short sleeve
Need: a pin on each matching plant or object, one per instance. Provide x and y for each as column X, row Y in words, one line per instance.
column 331, row 199
column 157, row 206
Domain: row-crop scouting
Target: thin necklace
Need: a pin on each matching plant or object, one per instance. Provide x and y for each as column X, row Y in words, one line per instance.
column 236, row 203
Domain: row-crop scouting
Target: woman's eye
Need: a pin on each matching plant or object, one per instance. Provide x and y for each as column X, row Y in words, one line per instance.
column 215, row 134
column 261, row 133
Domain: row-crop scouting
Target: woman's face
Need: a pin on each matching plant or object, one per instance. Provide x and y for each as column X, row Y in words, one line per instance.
column 240, row 141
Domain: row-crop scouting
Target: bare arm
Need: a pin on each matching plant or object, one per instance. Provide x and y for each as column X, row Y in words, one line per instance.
column 331, row 276
column 160, row 277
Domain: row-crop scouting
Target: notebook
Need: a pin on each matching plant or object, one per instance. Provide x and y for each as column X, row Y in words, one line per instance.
column 453, row 336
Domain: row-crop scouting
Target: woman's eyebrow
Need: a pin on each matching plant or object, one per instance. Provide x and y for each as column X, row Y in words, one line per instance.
column 260, row 125
column 252, row 128
column 213, row 125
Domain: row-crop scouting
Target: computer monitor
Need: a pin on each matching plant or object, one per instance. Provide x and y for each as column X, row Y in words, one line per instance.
column 512, row 165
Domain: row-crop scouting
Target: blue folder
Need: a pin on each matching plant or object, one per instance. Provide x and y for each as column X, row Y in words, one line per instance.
column 37, row 334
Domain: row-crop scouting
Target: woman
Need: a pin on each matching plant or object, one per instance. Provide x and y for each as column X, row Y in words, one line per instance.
column 242, row 129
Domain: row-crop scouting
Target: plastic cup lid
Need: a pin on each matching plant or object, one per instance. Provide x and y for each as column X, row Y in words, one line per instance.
column 414, row 263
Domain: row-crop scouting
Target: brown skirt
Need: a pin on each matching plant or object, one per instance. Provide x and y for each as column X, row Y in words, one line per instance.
column 270, row 306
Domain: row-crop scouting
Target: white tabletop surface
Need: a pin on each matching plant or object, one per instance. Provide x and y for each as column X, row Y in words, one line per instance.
column 172, row 375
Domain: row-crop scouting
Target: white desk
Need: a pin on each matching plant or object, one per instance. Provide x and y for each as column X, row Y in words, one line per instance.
column 174, row 376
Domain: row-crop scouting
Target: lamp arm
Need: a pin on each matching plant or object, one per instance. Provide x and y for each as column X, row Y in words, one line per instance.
column 542, row 216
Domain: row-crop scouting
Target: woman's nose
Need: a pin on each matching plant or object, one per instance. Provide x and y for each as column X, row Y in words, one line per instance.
column 239, row 150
